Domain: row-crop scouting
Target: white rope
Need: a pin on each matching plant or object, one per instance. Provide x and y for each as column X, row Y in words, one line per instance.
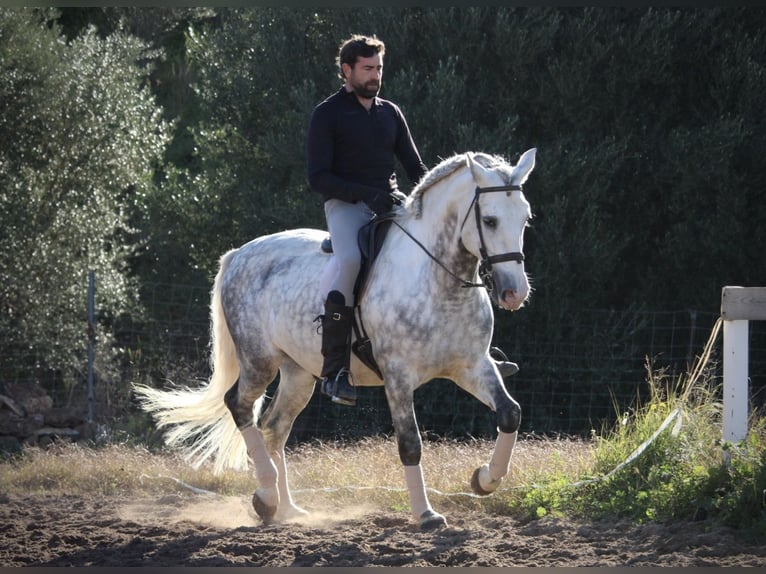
column 633, row 456
column 386, row 488
column 636, row 453
column 194, row 489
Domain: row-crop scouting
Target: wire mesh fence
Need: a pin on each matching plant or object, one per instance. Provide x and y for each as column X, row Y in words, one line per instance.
column 570, row 384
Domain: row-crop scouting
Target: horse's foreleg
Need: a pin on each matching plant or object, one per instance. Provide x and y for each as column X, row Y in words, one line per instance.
column 410, row 450
column 488, row 477
column 426, row 516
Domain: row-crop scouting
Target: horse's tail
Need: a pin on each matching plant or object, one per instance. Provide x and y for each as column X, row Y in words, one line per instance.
column 197, row 419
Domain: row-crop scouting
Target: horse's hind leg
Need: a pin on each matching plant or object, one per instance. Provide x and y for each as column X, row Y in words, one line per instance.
column 293, row 394
column 241, row 399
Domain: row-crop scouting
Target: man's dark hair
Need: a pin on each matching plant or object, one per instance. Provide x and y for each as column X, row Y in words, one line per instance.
column 358, row 46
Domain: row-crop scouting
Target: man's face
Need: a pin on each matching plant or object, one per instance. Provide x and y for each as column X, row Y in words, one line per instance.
column 366, row 76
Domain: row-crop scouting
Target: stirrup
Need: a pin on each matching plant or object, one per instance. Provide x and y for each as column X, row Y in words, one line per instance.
column 506, row 367
column 340, row 389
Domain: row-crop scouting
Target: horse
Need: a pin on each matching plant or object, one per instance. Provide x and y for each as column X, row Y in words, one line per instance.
column 454, row 249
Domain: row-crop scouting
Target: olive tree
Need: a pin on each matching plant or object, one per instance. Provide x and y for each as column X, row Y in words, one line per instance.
column 81, row 133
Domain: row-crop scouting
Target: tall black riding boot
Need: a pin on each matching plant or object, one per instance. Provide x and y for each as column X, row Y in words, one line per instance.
column 337, row 321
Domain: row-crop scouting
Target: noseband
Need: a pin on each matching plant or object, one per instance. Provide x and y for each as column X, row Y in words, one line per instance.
column 485, row 260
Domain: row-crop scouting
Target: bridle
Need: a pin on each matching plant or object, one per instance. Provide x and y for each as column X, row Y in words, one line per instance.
column 485, row 260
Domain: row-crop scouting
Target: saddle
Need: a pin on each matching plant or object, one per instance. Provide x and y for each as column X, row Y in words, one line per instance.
column 370, row 239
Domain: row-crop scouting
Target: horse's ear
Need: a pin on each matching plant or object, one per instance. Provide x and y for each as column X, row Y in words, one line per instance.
column 525, row 166
column 477, row 171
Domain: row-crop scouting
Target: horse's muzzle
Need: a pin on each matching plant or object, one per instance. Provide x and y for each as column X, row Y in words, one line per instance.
column 510, row 293
column 511, row 300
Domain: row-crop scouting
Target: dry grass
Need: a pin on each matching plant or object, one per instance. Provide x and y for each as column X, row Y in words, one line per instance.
column 369, row 470
column 366, row 472
column 112, row 469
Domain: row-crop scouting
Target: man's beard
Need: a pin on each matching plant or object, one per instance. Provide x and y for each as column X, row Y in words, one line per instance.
column 367, row 91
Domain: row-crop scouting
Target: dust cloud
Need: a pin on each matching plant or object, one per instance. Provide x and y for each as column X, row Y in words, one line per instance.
column 226, row 512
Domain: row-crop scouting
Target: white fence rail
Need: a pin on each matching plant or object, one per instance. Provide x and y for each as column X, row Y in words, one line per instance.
column 739, row 306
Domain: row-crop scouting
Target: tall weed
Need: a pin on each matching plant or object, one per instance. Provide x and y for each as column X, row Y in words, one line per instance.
column 665, row 460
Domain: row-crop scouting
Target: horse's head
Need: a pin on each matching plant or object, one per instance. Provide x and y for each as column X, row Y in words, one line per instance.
column 493, row 227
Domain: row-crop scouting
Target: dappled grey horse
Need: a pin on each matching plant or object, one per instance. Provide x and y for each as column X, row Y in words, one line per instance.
column 454, row 247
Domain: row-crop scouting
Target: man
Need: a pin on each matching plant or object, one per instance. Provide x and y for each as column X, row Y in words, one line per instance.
column 353, row 139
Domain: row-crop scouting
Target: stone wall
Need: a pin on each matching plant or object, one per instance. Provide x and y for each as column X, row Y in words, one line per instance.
column 28, row 417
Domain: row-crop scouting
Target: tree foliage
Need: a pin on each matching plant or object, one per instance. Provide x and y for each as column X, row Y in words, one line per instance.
column 82, row 133
column 648, row 124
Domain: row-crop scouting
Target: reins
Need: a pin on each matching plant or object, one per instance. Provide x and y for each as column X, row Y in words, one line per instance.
column 464, row 283
column 486, row 260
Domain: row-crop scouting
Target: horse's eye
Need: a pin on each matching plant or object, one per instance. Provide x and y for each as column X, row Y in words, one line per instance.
column 489, row 221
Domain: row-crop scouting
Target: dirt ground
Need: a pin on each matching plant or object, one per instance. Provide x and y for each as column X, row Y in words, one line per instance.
column 199, row 530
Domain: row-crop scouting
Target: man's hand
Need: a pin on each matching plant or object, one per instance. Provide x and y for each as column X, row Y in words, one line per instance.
column 399, row 197
column 379, row 202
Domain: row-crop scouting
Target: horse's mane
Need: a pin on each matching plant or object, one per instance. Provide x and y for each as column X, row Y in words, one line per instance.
column 447, row 167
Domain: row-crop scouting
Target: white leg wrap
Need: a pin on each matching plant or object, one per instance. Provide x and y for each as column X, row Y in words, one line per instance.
column 284, row 488
column 287, row 507
column 501, row 457
column 265, row 470
column 417, row 489
column 490, row 476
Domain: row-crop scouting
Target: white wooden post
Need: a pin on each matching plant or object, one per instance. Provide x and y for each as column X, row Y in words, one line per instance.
column 735, row 384
column 739, row 305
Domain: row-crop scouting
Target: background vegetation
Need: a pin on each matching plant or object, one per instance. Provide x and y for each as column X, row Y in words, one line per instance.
column 144, row 142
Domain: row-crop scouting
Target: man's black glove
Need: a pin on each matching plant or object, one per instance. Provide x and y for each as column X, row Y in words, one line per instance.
column 379, row 202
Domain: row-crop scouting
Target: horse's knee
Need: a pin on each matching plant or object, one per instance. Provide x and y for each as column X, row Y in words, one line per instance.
column 242, row 416
column 409, row 450
column 509, row 417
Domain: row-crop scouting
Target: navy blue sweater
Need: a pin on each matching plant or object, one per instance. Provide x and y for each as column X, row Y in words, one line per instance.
column 351, row 151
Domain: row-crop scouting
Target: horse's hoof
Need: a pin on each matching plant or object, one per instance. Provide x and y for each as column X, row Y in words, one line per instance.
column 431, row 520
column 292, row 512
column 476, row 485
column 263, row 510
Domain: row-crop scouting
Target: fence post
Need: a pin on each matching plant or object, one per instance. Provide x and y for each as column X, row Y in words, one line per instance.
column 91, row 339
column 735, row 387
column 692, row 333
column 739, row 305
